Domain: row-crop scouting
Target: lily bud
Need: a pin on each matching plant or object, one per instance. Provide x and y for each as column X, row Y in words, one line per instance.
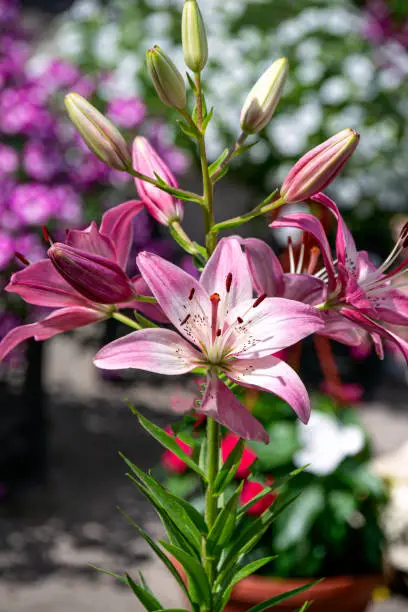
column 161, row 205
column 194, row 37
column 263, row 98
column 315, row 170
column 167, row 79
column 101, row 136
column 96, row 278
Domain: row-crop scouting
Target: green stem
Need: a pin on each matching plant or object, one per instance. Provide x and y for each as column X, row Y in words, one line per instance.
column 179, row 193
column 208, row 188
column 242, row 138
column 126, row 320
column 185, row 241
column 259, row 210
column 211, row 503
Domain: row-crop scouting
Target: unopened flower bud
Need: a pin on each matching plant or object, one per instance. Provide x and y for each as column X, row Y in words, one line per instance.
column 101, row 136
column 161, row 205
column 315, row 170
column 263, row 98
column 96, row 278
column 194, row 37
column 167, row 79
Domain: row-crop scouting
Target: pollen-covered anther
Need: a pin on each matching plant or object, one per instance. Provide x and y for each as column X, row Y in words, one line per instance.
column 47, row 236
column 228, row 282
column 259, row 300
column 218, row 332
column 21, row 258
column 215, row 300
column 184, row 321
column 240, row 320
column 313, row 259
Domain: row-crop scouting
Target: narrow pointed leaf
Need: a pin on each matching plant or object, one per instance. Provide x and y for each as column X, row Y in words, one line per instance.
column 244, row 148
column 208, row 118
column 167, row 441
column 198, row 585
column 217, row 163
column 187, row 129
column 229, row 468
column 162, row 556
column 221, row 175
column 267, row 490
column 148, row 601
column 305, row 606
column 108, row 573
column 184, row 518
column 173, row 532
column 240, row 574
column 191, row 83
column 144, row 322
column 224, row 525
column 274, row 601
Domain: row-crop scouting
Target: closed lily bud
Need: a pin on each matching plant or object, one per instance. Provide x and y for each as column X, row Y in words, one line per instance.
column 161, row 205
column 167, row 79
column 194, row 37
column 315, row 170
column 263, row 98
column 96, row 278
column 101, row 136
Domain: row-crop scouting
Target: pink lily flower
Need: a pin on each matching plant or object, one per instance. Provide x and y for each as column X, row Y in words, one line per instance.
column 269, row 278
column 222, row 328
column 356, row 289
column 41, row 284
column 161, row 205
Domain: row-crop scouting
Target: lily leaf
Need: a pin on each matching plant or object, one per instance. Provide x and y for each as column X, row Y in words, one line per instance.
column 198, row 585
column 148, row 601
column 229, row 468
column 274, row 601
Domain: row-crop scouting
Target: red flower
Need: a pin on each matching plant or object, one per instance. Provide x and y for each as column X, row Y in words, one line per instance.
column 248, row 457
column 170, row 461
column 252, row 489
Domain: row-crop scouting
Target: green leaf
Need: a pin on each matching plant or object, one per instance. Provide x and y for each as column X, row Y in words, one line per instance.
column 244, row 148
column 240, row 574
column 273, row 601
column 283, row 442
column 229, row 468
column 143, row 321
column 224, row 525
column 267, row 490
column 208, row 118
column 167, row 441
column 174, row 534
column 342, row 503
column 148, row 601
column 198, row 585
column 192, row 84
column 156, row 549
column 108, row 573
column 184, row 515
column 217, row 163
column 187, row 129
column 305, row 606
column 221, row 175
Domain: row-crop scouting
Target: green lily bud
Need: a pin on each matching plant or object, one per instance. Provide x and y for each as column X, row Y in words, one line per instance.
column 264, row 97
column 167, row 80
column 194, row 36
column 101, row 136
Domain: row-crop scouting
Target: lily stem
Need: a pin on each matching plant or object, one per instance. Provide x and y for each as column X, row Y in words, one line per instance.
column 211, row 501
column 126, row 320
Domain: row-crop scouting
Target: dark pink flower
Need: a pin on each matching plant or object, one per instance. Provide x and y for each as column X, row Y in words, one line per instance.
column 170, row 461
column 250, row 490
column 248, row 456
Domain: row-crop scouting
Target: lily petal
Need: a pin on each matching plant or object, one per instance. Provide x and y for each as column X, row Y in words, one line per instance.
column 220, row 404
column 227, row 259
column 91, row 240
column 345, row 245
column 375, row 328
column 340, row 329
column 271, row 326
column 117, row 225
column 41, row 284
column 273, row 375
column 304, row 288
column 309, row 223
column 155, row 350
column 182, row 298
column 57, row 322
column 265, row 267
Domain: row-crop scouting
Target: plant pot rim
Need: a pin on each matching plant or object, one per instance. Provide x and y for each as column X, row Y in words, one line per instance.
column 255, row 589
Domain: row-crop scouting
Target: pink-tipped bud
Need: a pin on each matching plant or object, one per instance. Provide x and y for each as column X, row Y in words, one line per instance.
column 101, row 136
column 96, row 278
column 161, row 205
column 315, row 170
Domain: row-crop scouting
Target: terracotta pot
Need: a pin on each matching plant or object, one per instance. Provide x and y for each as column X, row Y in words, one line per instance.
column 339, row 594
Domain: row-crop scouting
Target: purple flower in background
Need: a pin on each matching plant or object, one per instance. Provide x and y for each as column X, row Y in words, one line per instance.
column 31, row 246
column 126, row 112
column 33, row 203
column 8, row 160
column 6, row 249
column 42, row 161
column 68, row 205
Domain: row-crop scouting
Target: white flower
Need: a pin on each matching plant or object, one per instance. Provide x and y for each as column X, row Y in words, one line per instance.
column 326, row 442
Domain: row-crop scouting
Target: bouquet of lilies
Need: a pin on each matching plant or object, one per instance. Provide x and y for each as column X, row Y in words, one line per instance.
column 230, row 326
